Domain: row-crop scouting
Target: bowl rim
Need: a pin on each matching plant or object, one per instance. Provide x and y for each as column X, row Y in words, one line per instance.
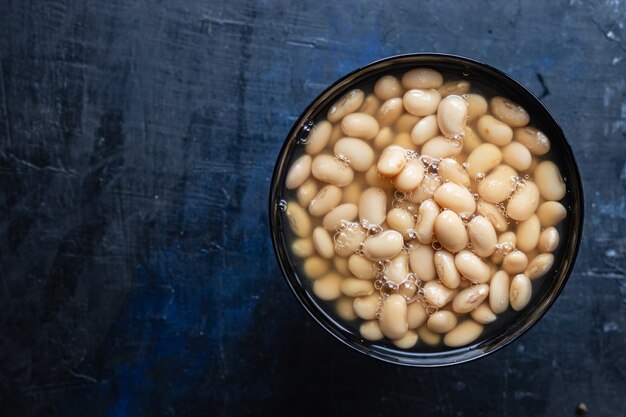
column 319, row 315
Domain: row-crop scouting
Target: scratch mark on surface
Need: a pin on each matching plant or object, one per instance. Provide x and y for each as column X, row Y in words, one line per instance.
column 303, row 44
column 83, row 376
column 43, row 168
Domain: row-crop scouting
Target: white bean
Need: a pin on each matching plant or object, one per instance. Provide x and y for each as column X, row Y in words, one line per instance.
column 349, row 103
column 302, row 247
column 446, row 269
column 509, row 112
column 421, row 261
column 401, row 220
column 520, row 292
column 427, row 188
column 498, row 185
column 536, row 141
column 354, row 287
column 483, row 314
column 438, row 295
column 470, row 298
column 373, row 206
column 407, row 341
column 299, row 172
column 483, row 158
column 370, row 330
column 325, row 200
column 359, row 154
column 471, row 140
column 528, row 233
column 550, row 213
column 419, row 102
column 458, row 87
column 386, row 245
column 451, row 170
column 323, row 243
column 472, row 267
column 391, row 161
column 403, row 140
column 416, row 315
column 315, row 266
column 360, row 125
column 318, row 138
column 328, row 287
column 341, row 265
column 428, row 337
column 361, row 267
column 344, row 309
column 452, row 116
column 398, row 268
column 422, row 78
column 523, row 204
column 463, row 334
column 344, row 212
column 548, row 240
column 491, row 212
column 307, row 191
column 539, row 265
column 549, row 181
column 476, row 106
column 515, row 262
column 299, row 221
column 352, row 192
column 390, row 111
column 374, row 179
column 424, row 130
column 327, row 168
column 482, row 236
column 440, row 147
column 406, row 123
column 370, row 105
column 494, row 131
column 450, row 231
column 366, row 307
column 499, row 292
column 517, row 156
column 411, row 176
column 441, row 321
column 388, row 87
column 393, row 317
column 456, row 198
column 384, row 138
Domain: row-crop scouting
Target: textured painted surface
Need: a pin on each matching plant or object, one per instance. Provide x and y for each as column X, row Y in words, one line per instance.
column 136, row 146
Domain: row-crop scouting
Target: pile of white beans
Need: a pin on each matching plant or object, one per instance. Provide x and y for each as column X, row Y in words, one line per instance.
column 424, row 209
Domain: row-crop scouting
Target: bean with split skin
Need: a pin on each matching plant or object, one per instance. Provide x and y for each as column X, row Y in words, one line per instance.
column 325, row 200
column 509, row 112
column 347, row 104
column 520, row 291
column 470, row 298
column 438, row 295
column 446, row 269
column 359, row 154
column 452, row 171
column 452, row 116
column 327, row 168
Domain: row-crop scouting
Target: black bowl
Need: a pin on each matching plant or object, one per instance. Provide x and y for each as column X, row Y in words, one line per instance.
column 545, row 291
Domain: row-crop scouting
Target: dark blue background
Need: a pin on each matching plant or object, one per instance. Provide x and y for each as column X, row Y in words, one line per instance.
column 137, row 140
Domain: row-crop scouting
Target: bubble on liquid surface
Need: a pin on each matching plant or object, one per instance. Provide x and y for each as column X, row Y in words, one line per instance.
column 282, row 206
